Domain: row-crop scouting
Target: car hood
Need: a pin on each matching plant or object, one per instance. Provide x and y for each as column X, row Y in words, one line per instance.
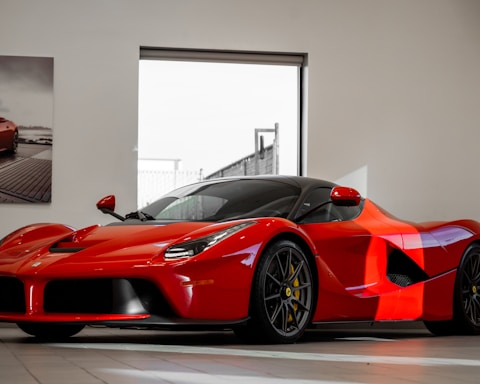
column 129, row 243
column 125, row 235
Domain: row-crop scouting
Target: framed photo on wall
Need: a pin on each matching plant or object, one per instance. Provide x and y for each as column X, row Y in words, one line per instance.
column 26, row 129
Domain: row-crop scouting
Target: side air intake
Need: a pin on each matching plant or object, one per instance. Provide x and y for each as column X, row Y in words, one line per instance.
column 402, row 270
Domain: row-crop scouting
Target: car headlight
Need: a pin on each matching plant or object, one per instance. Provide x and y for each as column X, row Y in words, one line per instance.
column 194, row 247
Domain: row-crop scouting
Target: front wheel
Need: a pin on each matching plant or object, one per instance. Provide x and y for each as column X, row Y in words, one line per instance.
column 466, row 300
column 282, row 297
column 50, row 331
column 14, row 142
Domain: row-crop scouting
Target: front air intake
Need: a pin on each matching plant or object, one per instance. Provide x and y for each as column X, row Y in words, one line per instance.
column 107, row 296
column 12, row 295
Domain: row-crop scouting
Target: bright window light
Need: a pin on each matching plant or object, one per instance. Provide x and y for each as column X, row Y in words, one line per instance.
column 195, row 118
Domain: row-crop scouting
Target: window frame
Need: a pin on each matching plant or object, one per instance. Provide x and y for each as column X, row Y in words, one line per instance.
column 246, row 57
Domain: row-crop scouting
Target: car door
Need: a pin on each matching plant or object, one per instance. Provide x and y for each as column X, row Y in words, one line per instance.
column 352, row 259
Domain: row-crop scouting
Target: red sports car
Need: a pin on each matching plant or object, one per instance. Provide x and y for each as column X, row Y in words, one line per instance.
column 265, row 256
column 8, row 135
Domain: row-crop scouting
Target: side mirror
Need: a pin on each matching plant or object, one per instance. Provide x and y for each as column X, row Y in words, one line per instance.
column 107, row 205
column 345, row 196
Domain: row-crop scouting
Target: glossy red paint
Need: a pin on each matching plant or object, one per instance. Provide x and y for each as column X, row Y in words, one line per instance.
column 8, row 135
column 357, row 267
column 345, row 196
column 108, row 203
column 356, row 286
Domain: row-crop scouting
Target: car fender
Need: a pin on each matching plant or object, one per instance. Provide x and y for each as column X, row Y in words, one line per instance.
column 38, row 233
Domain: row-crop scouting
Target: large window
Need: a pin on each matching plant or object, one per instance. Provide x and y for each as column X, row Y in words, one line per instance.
column 212, row 114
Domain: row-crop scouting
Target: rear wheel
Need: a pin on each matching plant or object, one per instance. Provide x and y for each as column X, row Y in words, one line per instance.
column 282, row 297
column 466, row 300
column 50, row 331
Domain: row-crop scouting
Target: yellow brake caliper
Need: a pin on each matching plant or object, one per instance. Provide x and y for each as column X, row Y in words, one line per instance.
column 296, row 283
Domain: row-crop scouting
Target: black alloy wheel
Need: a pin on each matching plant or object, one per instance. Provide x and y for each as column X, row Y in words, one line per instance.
column 467, row 293
column 466, row 299
column 282, row 297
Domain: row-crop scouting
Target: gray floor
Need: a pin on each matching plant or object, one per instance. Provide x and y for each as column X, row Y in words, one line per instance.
column 374, row 355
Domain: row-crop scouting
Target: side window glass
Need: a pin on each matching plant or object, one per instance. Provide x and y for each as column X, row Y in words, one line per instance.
column 348, row 213
column 328, row 212
column 314, row 199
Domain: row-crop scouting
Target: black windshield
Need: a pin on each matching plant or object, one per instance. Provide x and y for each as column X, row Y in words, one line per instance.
column 226, row 199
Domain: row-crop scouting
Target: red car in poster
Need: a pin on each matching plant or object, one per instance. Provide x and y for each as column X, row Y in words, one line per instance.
column 267, row 257
column 8, row 135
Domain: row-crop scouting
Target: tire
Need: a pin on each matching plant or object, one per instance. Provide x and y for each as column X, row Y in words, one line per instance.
column 50, row 331
column 466, row 299
column 282, row 296
column 14, row 143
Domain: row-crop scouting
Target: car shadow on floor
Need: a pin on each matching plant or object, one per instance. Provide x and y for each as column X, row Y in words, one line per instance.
column 322, row 334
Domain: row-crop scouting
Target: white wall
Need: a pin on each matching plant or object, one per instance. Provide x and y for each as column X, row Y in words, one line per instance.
column 393, row 90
